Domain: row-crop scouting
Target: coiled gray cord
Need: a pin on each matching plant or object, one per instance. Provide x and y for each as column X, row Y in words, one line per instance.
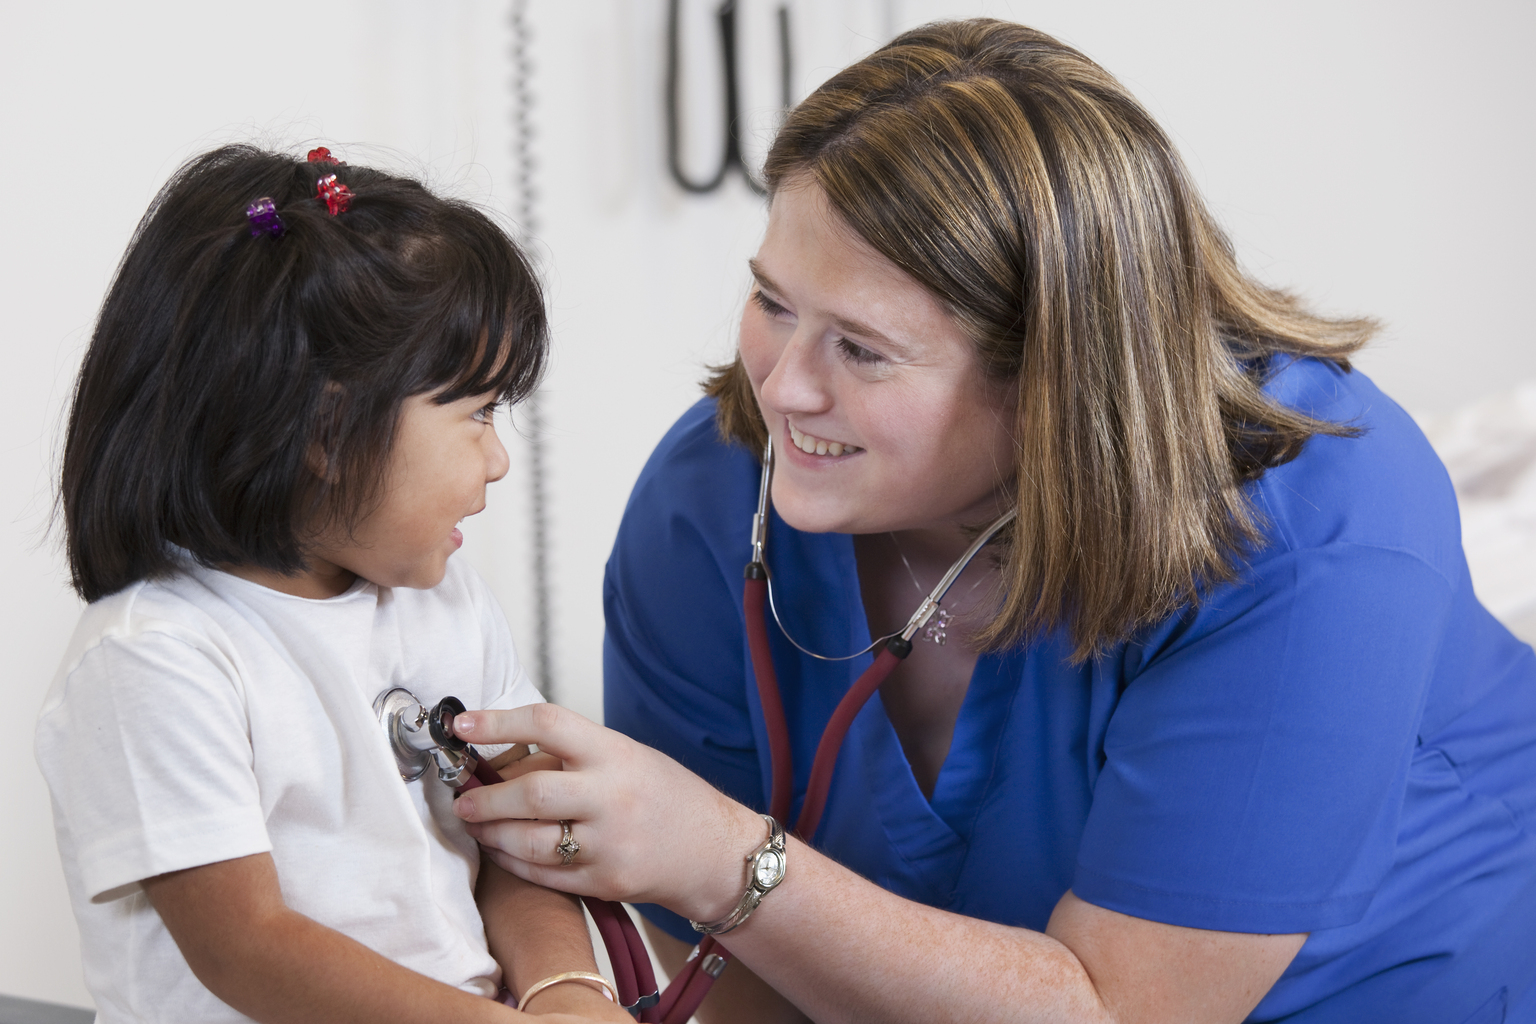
column 533, row 408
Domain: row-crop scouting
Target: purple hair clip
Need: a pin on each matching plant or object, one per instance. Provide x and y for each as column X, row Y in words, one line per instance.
column 264, row 219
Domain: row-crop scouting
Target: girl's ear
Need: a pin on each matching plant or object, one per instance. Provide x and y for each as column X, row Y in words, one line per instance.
column 320, row 455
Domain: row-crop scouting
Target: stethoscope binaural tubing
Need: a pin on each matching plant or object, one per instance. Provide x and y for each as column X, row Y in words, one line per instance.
column 758, row 605
column 919, row 617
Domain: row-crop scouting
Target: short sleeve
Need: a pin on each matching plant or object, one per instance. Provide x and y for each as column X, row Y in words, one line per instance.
column 1255, row 766
column 148, row 757
column 682, row 694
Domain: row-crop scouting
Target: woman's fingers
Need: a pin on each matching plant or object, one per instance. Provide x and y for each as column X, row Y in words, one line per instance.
column 650, row 830
column 537, row 858
column 556, row 730
column 551, row 795
column 540, row 762
column 535, row 842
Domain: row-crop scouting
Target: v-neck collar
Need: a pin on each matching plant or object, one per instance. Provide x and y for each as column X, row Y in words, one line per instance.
column 929, row 836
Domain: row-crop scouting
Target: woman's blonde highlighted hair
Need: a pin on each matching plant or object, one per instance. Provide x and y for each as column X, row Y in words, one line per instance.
column 1026, row 188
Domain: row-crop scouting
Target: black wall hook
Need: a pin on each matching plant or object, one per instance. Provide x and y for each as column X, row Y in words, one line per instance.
column 725, row 20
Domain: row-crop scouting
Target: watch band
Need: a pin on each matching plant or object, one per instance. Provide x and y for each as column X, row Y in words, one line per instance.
column 765, row 870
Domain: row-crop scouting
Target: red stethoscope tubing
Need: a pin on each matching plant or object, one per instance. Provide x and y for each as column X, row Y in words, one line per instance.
column 754, row 598
column 754, row 604
column 634, row 976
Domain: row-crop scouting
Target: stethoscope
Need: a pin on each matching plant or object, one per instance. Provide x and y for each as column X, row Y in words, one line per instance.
column 758, row 604
column 709, row 958
column 421, row 737
column 730, row 157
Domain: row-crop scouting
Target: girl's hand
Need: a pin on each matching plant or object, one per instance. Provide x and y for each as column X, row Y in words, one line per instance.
column 650, row 830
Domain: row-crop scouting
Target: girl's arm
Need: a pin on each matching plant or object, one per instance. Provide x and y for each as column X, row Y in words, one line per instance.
column 279, row 967
column 836, row 945
column 535, row 933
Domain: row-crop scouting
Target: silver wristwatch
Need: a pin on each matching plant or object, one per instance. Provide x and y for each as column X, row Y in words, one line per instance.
column 765, row 869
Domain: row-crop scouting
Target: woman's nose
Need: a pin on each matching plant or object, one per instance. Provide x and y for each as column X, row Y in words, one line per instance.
column 797, row 383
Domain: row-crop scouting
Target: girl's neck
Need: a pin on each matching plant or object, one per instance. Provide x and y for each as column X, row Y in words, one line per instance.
column 320, row 580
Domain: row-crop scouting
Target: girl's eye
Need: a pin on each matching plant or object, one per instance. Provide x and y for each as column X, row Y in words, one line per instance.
column 856, row 353
column 486, row 413
column 767, row 305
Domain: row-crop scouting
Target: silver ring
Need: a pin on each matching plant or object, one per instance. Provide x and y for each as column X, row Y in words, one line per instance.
column 567, row 847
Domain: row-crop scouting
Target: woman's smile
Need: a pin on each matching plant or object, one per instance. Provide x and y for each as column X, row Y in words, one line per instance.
column 812, row 445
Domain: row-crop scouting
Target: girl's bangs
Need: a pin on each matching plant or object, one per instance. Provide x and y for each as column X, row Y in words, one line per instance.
column 490, row 338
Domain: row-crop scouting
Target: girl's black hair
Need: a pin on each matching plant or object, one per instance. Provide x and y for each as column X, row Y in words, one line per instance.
column 242, row 392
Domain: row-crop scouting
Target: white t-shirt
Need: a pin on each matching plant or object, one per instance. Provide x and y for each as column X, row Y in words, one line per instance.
column 204, row 717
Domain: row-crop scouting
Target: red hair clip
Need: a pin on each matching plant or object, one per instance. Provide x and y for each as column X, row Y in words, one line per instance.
column 336, row 195
column 321, row 155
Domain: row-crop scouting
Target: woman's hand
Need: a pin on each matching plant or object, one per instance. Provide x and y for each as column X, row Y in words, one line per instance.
column 650, row 830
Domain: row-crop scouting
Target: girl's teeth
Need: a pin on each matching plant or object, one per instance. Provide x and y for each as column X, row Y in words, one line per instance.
column 835, row 448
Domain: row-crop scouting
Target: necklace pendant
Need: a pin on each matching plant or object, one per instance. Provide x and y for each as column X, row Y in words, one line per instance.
column 936, row 630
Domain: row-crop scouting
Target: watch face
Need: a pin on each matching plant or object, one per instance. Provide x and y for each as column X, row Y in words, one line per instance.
column 769, row 869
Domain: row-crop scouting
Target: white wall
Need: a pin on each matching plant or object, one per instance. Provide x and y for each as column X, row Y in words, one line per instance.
column 1374, row 156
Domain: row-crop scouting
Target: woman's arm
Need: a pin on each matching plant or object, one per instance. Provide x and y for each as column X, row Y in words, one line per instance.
column 838, row 946
column 884, row 958
column 738, row 997
column 279, row 967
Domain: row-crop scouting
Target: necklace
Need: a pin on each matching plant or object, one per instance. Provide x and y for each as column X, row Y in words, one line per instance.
column 937, row 630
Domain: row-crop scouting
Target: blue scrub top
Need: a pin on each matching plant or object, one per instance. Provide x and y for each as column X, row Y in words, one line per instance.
column 1341, row 742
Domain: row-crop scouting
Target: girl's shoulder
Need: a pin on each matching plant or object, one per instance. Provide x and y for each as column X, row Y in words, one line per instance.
column 161, row 627
column 176, row 607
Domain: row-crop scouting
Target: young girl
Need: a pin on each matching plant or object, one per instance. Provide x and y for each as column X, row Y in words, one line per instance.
column 285, row 411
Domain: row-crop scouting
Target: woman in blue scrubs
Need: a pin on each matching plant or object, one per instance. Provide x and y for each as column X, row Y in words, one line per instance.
column 1218, row 732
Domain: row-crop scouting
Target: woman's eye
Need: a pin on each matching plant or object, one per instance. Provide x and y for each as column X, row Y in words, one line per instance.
column 767, row 305
column 486, row 413
column 856, row 353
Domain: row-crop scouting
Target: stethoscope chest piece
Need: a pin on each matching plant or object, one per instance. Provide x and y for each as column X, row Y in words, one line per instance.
column 419, row 736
